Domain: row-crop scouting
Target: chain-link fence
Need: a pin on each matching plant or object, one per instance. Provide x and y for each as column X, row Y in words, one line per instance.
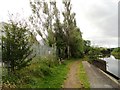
column 43, row 50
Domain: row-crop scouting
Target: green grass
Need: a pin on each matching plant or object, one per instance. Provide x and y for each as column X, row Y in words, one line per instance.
column 116, row 55
column 42, row 73
column 55, row 80
column 53, row 76
column 83, row 76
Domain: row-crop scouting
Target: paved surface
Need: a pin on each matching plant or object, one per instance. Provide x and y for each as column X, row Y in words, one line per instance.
column 97, row 78
column 72, row 80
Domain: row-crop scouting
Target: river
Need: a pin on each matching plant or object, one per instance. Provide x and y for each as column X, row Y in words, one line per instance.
column 113, row 65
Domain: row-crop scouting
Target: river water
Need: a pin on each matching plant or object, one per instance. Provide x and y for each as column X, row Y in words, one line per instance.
column 113, row 65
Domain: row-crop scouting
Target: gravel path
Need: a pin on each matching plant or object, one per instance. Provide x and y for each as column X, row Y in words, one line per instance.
column 97, row 78
column 72, row 80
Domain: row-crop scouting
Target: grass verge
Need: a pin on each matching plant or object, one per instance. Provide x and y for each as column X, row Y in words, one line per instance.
column 83, row 76
column 54, row 80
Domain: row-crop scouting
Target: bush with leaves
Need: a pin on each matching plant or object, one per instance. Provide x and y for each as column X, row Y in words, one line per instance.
column 116, row 52
column 94, row 53
column 16, row 48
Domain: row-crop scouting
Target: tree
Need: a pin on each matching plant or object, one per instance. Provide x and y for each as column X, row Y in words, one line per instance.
column 51, row 25
column 87, row 46
column 41, row 19
column 76, row 43
column 66, row 37
column 16, row 48
column 94, row 53
column 59, row 34
column 73, row 34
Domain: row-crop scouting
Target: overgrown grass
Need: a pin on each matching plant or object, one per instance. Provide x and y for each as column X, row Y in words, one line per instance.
column 42, row 73
column 83, row 76
column 54, row 80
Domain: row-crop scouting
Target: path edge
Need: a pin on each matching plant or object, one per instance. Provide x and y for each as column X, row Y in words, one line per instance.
column 110, row 77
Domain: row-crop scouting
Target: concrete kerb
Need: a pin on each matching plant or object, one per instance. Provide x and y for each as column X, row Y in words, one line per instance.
column 113, row 79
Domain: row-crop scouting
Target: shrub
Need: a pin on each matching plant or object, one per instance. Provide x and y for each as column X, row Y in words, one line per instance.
column 116, row 53
column 94, row 54
column 39, row 68
column 11, row 78
column 45, row 69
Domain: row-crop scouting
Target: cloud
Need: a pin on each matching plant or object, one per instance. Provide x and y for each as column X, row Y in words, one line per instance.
column 13, row 7
column 98, row 20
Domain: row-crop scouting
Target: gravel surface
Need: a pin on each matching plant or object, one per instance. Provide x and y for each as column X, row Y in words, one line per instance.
column 72, row 80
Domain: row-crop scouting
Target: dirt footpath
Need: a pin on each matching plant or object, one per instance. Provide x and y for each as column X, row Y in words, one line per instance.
column 97, row 78
column 73, row 80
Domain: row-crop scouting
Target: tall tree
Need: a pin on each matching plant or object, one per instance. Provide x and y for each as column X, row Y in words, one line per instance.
column 41, row 19
column 48, row 16
column 59, row 33
column 76, row 43
column 73, row 33
column 66, row 37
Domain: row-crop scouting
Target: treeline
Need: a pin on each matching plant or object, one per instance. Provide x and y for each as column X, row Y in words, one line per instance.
column 58, row 29
column 64, row 35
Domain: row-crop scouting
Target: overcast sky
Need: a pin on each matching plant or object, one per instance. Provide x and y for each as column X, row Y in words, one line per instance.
column 97, row 19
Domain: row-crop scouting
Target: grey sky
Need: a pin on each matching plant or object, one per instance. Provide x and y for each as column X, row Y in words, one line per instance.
column 97, row 19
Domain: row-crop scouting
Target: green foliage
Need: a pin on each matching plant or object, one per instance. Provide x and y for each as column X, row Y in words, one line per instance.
column 76, row 44
column 17, row 80
column 105, row 52
column 16, row 48
column 11, row 78
column 42, row 66
column 83, row 76
column 94, row 53
column 116, row 52
column 116, row 49
column 87, row 46
column 38, row 75
column 59, row 35
column 66, row 37
column 57, row 78
column 51, row 39
column 73, row 35
column 39, row 68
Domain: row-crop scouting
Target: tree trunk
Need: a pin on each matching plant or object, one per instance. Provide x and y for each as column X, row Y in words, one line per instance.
column 68, row 51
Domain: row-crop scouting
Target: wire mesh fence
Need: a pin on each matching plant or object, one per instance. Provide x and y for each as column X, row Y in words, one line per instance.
column 43, row 50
